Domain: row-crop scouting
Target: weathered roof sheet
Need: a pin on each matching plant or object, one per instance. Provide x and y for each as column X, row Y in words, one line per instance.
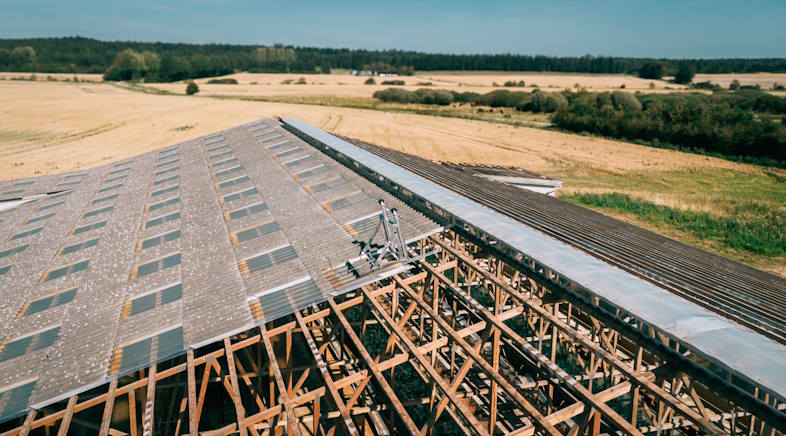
column 133, row 262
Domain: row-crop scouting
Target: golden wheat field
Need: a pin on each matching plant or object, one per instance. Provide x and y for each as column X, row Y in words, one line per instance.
column 54, row 126
column 764, row 80
column 259, row 84
column 48, row 127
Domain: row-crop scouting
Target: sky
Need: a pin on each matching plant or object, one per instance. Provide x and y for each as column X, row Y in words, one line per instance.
column 638, row 28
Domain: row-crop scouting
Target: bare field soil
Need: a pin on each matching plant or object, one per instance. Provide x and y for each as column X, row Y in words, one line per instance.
column 49, row 127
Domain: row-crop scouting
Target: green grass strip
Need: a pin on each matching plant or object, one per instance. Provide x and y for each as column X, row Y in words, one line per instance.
column 751, row 227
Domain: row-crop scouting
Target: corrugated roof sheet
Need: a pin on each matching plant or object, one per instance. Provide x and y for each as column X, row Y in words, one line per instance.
column 140, row 259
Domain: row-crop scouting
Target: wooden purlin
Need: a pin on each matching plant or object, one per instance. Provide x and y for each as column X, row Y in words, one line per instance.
column 428, row 352
column 292, row 426
column 550, row 366
column 425, row 364
column 238, row 402
column 373, row 366
column 106, row 420
column 543, row 424
column 629, row 372
column 335, row 396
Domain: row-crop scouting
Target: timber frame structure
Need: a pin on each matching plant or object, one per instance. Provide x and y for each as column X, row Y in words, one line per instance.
column 465, row 342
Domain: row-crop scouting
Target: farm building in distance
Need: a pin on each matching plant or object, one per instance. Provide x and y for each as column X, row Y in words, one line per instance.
column 273, row 277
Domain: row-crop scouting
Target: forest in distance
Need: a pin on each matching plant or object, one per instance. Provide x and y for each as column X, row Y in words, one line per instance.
column 165, row 62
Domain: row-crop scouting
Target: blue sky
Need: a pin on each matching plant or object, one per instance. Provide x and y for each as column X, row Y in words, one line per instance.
column 644, row 28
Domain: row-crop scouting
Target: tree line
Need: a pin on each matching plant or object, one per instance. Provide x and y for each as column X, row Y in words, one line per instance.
column 745, row 123
column 86, row 55
column 535, row 101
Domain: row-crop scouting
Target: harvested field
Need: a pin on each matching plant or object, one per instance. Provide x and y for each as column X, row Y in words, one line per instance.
column 59, row 77
column 765, row 80
column 84, row 124
column 253, row 84
column 48, row 127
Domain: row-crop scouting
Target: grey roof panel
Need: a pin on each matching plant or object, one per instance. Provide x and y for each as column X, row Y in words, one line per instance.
column 118, row 319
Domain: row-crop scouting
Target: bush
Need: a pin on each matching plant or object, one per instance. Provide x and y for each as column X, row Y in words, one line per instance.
column 544, row 102
column 625, row 101
column 502, row 98
column 514, row 84
column 393, row 82
column 192, row 88
column 300, row 81
column 370, row 81
column 395, row 95
column 706, row 85
column 227, row 81
column 778, row 87
column 466, row 97
column 734, row 85
column 433, row 96
column 422, row 96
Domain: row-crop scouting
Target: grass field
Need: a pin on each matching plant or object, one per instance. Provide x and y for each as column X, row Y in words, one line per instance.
column 48, row 127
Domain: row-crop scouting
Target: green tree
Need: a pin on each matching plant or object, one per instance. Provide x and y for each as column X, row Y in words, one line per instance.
column 5, row 57
column 685, row 74
column 128, row 65
column 370, row 81
column 174, row 68
column 151, row 64
column 192, row 88
column 651, row 70
column 23, row 58
column 734, row 85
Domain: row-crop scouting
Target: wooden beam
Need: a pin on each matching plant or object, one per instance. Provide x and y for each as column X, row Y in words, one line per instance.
column 335, row 396
column 552, row 368
column 372, row 366
column 474, row 355
column 433, row 373
column 106, row 420
column 25, row 430
column 574, row 335
column 69, row 414
column 193, row 419
column 454, row 385
column 148, row 421
column 292, row 424
column 132, row 411
column 239, row 410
